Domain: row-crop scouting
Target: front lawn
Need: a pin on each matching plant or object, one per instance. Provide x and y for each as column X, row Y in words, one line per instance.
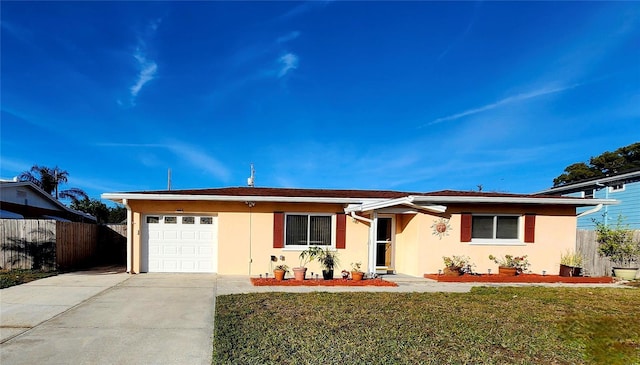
column 510, row 325
column 16, row 277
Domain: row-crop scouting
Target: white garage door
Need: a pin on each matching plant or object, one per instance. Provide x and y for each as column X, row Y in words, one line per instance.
column 180, row 243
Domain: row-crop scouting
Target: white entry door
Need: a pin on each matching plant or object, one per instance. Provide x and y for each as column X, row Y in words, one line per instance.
column 179, row 243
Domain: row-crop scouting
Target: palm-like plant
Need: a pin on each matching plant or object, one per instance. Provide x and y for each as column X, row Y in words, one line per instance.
column 49, row 179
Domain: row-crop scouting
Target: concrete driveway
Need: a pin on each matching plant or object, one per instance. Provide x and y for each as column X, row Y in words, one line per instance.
column 89, row 318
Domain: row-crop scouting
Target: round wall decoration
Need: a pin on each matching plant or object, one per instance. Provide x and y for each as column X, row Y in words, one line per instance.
column 441, row 227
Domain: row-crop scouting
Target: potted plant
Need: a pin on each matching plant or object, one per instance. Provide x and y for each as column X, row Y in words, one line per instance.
column 279, row 272
column 454, row 265
column 571, row 264
column 511, row 265
column 618, row 245
column 356, row 272
column 328, row 259
column 305, row 257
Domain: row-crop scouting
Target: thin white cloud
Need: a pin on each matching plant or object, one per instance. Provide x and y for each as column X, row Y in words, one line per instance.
column 287, row 63
column 200, row 159
column 108, row 144
column 288, row 37
column 186, row 153
column 505, row 101
column 148, row 69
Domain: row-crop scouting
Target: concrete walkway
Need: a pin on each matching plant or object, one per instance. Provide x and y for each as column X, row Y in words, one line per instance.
column 109, row 319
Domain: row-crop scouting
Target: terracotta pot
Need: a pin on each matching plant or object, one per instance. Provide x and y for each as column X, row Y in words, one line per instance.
column 299, row 273
column 452, row 271
column 510, row 271
column 566, row 270
column 357, row 275
column 279, row 274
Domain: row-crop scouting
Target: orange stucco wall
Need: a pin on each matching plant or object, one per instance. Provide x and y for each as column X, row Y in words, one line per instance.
column 245, row 237
column 419, row 251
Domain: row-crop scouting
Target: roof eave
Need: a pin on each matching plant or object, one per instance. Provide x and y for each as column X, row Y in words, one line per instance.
column 118, row 197
column 513, row 200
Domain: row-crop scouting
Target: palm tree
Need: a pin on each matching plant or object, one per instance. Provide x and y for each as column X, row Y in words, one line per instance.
column 49, row 179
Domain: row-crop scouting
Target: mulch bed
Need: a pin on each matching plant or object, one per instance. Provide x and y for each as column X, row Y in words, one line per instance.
column 320, row 282
column 523, row 278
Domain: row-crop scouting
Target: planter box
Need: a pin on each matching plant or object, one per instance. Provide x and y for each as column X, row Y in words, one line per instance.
column 570, row 270
column 510, row 271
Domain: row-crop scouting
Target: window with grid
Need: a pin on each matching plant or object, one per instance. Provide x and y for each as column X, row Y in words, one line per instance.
column 495, row 227
column 307, row 230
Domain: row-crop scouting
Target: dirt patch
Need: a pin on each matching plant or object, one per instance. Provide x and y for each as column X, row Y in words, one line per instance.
column 523, row 278
column 320, row 282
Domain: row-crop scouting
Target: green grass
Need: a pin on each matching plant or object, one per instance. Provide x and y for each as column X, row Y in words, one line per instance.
column 509, row 325
column 16, row 277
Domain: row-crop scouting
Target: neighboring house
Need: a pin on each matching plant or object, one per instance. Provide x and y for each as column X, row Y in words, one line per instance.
column 23, row 199
column 623, row 187
column 237, row 230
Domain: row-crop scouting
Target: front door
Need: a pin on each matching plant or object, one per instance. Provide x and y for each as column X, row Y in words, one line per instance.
column 384, row 244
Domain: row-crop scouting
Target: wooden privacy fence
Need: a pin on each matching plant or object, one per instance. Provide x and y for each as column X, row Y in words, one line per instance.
column 595, row 265
column 112, row 244
column 48, row 244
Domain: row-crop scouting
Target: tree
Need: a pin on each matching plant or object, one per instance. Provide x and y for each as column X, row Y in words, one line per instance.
column 94, row 207
column 117, row 214
column 101, row 211
column 623, row 159
column 49, row 180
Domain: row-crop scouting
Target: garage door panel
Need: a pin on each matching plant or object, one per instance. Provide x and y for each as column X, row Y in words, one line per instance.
column 188, row 250
column 170, row 250
column 186, row 235
column 181, row 247
column 169, row 235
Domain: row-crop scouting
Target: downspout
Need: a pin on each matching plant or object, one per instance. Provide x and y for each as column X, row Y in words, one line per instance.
column 129, row 240
column 250, row 205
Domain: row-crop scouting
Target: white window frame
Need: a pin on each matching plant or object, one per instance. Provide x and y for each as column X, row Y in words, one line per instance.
column 310, row 214
column 616, row 189
column 518, row 241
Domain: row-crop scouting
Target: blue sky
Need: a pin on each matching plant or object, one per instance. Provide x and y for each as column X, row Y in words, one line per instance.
column 412, row 96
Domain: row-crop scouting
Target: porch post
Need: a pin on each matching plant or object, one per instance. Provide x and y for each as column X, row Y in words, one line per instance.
column 373, row 228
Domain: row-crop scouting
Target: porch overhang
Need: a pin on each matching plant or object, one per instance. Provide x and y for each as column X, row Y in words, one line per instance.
column 406, row 201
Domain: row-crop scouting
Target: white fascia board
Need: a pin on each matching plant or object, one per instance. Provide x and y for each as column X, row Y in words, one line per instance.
column 232, row 198
column 514, row 200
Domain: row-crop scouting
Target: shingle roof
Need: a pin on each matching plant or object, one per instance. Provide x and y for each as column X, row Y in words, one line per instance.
column 331, row 193
column 285, row 192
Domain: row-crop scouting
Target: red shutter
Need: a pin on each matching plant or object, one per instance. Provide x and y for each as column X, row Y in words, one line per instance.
column 465, row 227
column 341, row 230
column 278, row 230
column 529, row 228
